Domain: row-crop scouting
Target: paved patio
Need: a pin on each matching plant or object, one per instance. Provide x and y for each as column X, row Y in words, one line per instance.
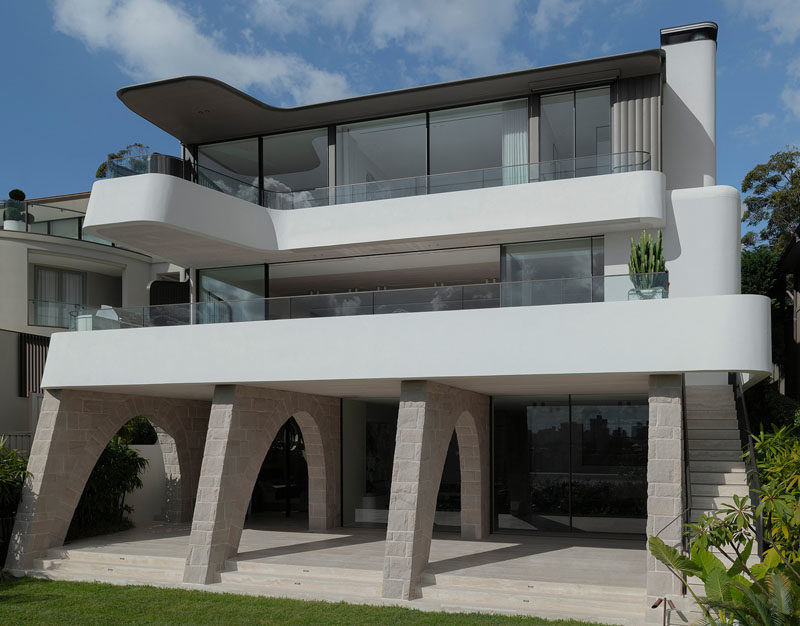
column 553, row 576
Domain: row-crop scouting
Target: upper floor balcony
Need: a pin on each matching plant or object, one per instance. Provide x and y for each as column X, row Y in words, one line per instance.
column 274, row 198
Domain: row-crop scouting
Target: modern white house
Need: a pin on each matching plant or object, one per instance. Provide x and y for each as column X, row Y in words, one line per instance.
column 49, row 270
column 412, row 312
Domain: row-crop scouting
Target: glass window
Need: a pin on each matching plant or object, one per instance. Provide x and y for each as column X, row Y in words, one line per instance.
column 552, row 272
column 296, row 169
column 57, row 293
column 381, row 159
column 230, row 167
column 232, row 294
column 575, row 133
column 479, row 146
column 571, row 463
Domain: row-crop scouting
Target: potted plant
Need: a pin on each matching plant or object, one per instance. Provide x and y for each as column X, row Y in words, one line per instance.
column 648, row 268
column 14, row 215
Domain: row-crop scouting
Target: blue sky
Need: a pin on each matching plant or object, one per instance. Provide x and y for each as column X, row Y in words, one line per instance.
column 64, row 60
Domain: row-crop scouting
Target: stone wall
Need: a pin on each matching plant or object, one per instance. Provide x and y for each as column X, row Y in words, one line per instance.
column 427, row 417
column 74, row 428
column 243, row 423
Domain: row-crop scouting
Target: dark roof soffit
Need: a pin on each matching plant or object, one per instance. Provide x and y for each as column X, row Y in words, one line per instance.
column 198, row 109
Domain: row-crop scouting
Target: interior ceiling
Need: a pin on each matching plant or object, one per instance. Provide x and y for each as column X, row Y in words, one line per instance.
column 390, row 388
column 197, row 109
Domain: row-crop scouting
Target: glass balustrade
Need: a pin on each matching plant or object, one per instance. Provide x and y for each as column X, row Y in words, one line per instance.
column 416, row 300
column 47, row 219
column 574, row 167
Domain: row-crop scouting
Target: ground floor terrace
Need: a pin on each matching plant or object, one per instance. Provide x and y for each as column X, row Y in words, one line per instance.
column 555, row 576
column 439, row 497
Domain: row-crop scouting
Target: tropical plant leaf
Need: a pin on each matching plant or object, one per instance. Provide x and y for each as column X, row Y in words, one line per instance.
column 673, row 559
column 716, row 584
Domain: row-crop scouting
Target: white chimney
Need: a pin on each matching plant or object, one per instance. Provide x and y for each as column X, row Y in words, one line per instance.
column 689, row 115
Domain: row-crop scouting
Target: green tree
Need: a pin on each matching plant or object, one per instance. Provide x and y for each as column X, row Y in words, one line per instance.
column 773, row 200
column 132, row 150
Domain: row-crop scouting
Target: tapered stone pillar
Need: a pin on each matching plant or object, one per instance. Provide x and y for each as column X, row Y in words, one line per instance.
column 73, row 429
column 664, row 482
column 244, row 421
column 427, row 416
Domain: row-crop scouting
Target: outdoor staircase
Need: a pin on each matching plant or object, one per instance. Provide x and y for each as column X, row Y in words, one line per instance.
column 716, row 469
column 440, row 592
column 119, row 569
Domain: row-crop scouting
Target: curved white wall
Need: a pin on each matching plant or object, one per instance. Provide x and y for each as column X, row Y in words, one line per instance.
column 194, row 226
column 719, row 333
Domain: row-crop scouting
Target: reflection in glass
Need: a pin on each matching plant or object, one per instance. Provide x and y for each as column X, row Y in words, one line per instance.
column 231, row 294
column 571, row 463
column 230, row 167
column 381, row 159
column 574, row 134
column 562, row 271
column 296, row 169
column 609, row 464
column 479, row 146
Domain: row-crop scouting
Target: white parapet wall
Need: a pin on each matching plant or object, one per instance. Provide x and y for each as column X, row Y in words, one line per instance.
column 196, row 227
column 714, row 333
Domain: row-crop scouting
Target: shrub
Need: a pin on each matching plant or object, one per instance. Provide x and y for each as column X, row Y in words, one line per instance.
column 736, row 590
column 138, row 431
column 17, row 194
column 13, row 470
column 102, row 507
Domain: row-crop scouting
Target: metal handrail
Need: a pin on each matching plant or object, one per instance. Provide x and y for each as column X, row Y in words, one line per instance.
column 748, row 454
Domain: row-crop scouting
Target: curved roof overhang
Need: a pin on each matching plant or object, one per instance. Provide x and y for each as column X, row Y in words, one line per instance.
column 198, row 109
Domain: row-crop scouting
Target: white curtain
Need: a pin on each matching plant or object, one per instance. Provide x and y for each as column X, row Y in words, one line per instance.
column 46, row 309
column 515, row 143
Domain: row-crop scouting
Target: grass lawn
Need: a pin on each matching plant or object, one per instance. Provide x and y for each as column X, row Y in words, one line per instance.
column 32, row 601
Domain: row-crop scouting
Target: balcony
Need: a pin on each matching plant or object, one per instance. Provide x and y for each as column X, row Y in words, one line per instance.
column 562, row 169
column 415, row 300
column 52, row 314
column 46, row 219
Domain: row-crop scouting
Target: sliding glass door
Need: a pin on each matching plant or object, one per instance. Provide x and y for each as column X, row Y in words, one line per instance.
column 570, row 463
column 575, row 134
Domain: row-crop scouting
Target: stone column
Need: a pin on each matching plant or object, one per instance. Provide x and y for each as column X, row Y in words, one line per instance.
column 427, row 416
column 664, row 482
column 74, row 428
column 243, row 424
column 472, row 433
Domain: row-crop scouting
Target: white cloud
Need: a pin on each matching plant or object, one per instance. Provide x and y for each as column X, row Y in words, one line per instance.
column 757, row 125
column 762, row 120
column 156, row 40
column 554, row 14
column 448, row 35
column 780, row 17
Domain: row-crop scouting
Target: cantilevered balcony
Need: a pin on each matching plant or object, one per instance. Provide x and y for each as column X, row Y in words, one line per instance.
column 279, row 197
column 415, row 300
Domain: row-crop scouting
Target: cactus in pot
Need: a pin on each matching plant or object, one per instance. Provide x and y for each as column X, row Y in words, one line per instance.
column 647, row 260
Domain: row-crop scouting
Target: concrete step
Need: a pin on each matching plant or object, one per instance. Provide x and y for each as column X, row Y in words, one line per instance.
column 63, row 569
column 716, row 478
column 715, row 434
column 604, row 603
column 109, row 558
column 718, row 413
column 725, row 454
column 715, row 444
column 308, row 579
column 694, row 423
column 710, row 503
column 726, row 491
column 728, row 467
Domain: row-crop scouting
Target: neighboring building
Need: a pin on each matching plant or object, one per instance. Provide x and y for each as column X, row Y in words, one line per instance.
column 381, row 260
column 49, row 270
